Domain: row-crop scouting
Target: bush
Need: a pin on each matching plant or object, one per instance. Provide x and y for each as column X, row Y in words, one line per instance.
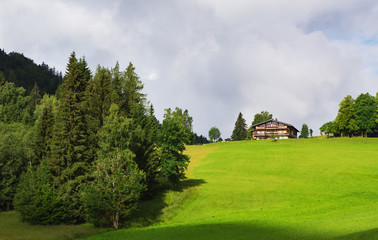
column 37, row 200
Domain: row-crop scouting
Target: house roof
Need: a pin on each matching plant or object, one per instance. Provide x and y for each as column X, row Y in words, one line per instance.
column 288, row 124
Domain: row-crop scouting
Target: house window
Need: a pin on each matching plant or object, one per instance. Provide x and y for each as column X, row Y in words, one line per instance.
column 268, row 124
column 262, row 125
column 281, row 125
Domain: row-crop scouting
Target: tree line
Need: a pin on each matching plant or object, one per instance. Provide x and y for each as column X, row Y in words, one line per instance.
column 355, row 117
column 90, row 151
column 23, row 72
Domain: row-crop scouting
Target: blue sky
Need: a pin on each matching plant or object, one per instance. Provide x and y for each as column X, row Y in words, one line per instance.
column 296, row 59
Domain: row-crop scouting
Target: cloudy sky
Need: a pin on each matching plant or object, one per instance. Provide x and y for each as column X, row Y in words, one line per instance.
column 296, row 59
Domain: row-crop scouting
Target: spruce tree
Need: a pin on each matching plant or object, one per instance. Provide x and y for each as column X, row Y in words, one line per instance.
column 44, row 133
column 35, row 96
column 240, row 130
column 131, row 95
column 99, row 96
column 71, row 150
column 2, row 79
column 304, row 131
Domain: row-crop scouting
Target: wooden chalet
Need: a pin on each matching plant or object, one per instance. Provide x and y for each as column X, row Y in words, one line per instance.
column 266, row 129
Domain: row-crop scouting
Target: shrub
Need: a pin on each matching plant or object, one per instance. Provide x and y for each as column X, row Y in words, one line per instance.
column 37, row 200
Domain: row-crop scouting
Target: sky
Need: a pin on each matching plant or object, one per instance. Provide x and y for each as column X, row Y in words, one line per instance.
column 296, row 59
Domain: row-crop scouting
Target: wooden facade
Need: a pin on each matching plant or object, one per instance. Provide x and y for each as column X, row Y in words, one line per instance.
column 266, row 129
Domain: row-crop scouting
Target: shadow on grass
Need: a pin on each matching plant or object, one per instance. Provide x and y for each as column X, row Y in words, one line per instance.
column 370, row 234
column 225, row 231
column 150, row 211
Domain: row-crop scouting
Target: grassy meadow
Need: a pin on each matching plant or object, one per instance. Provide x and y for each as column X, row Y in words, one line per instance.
column 305, row 189
column 289, row 189
column 11, row 228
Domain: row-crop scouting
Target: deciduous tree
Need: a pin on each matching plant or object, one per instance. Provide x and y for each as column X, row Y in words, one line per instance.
column 214, row 134
column 261, row 117
column 345, row 122
column 366, row 108
column 172, row 140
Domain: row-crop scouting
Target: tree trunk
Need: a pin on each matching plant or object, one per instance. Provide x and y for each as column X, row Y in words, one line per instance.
column 115, row 221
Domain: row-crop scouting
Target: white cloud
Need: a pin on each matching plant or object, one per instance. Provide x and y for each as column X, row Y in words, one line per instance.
column 296, row 59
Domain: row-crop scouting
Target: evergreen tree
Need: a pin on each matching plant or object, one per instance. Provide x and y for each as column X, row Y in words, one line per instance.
column 35, row 96
column 2, row 79
column 72, row 154
column 44, row 133
column 127, row 89
column 366, row 108
column 99, row 97
column 240, row 130
column 304, row 131
column 130, row 88
column 345, row 122
column 37, row 200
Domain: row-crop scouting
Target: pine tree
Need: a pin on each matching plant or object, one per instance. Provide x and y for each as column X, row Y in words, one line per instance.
column 240, row 130
column 71, row 150
column 2, row 79
column 44, row 133
column 35, row 96
column 304, row 131
column 131, row 92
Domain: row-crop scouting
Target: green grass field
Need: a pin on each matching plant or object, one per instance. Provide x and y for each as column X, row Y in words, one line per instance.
column 290, row 189
column 305, row 189
column 11, row 228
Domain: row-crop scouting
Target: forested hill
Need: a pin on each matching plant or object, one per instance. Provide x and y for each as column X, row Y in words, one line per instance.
column 24, row 73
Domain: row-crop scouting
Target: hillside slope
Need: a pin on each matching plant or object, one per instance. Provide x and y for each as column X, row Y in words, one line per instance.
column 290, row 189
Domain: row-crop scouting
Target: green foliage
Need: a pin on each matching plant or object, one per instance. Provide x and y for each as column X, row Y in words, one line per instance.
column 117, row 182
column 345, row 122
column 304, row 131
column 99, row 97
column 127, row 87
column 15, row 153
column 183, row 118
column 240, row 130
column 311, row 131
column 174, row 162
column 13, row 103
column 48, row 101
column 35, row 96
column 116, row 188
column 261, row 117
column 72, row 154
column 44, row 133
column 37, row 200
column 366, row 108
column 2, row 79
column 23, row 72
column 328, row 128
column 214, row 134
